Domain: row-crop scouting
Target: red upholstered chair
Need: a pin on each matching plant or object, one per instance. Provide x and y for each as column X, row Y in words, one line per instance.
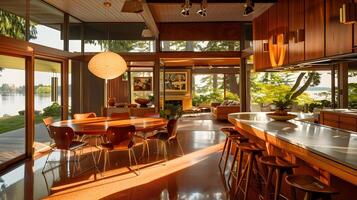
column 84, row 115
column 63, row 139
column 120, row 116
column 120, row 138
column 165, row 136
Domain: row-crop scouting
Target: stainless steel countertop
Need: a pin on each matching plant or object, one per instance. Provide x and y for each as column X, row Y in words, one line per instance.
column 335, row 144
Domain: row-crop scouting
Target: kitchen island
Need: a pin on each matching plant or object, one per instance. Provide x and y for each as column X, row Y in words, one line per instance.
column 327, row 153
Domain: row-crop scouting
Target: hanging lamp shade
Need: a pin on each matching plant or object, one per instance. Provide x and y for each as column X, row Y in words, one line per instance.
column 107, row 65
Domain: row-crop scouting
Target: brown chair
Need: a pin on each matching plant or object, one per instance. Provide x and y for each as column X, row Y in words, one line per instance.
column 63, row 139
column 170, row 134
column 48, row 121
column 120, row 138
column 80, row 116
column 120, row 116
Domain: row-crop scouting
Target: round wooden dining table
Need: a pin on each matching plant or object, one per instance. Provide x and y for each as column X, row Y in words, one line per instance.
column 99, row 125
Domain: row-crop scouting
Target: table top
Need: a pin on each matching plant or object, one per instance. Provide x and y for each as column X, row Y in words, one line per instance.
column 335, row 144
column 99, row 125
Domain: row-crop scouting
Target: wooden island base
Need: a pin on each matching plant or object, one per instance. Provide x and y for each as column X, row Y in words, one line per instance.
column 338, row 176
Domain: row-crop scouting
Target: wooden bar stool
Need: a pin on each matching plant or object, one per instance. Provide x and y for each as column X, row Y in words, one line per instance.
column 252, row 151
column 280, row 166
column 314, row 189
column 237, row 158
column 228, row 131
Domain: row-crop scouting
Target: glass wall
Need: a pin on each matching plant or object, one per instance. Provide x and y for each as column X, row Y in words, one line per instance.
column 119, row 45
column 47, row 98
column 200, row 46
column 12, row 22
column 75, row 41
column 47, row 30
column 12, row 107
column 352, row 87
column 309, row 89
column 142, row 83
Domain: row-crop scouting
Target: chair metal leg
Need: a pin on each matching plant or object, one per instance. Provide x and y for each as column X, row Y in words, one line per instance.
column 147, row 147
column 131, row 152
column 48, row 156
column 180, row 147
column 279, row 176
column 224, row 148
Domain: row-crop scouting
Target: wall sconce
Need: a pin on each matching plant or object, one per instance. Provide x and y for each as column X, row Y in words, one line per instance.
column 348, row 13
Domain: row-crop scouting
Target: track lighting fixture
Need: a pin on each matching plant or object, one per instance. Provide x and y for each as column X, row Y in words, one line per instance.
column 186, row 8
column 203, row 10
column 248, row 8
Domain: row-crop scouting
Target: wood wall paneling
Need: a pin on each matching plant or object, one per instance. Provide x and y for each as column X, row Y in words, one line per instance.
column 355, row 35
column 257, row 43
column 338, row 35
column 119, row 89
column 296, row 22
column 314, row 29
column 265, row 37
column 282, row 12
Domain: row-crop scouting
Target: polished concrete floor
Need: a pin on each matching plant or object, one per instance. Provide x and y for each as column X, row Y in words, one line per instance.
column 195, row 175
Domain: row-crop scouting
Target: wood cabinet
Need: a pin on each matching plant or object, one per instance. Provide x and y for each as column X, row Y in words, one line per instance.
column 355, row 35
column 314, row 29
column 260, row 39
column 296, row 26
column 338, row 35
column 339, row 120
column 282, row 18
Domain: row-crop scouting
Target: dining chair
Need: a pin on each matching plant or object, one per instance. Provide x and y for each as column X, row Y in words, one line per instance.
column 84, row 115
column 120, row 138
column 166, row 136
column 120, row 116
column 63, row 141
column 47, row 122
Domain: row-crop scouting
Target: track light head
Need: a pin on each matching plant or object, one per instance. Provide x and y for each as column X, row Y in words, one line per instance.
column 203, row 10
column 248, row 8
column 186, row 8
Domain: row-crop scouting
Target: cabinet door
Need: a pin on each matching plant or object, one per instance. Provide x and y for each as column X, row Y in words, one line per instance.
column 265, row 37
column 282, row 12
column 355, row 35
column 296, row 23
column 257, row 43
column 314, row 29
column 338, row 35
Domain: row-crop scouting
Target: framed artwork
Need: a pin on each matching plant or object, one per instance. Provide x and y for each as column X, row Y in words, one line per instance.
column 142, row 83
column 176, row 81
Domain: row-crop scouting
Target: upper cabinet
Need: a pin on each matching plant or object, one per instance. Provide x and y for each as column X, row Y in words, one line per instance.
column 314, row 29
column 296, row 31
column 338, row 35
column 301, row 30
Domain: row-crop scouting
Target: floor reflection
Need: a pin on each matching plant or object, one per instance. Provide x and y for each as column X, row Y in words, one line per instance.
column 192, row 176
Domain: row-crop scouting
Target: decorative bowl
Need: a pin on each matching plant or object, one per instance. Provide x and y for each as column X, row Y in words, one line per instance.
column 281, row 117
column 142, row 102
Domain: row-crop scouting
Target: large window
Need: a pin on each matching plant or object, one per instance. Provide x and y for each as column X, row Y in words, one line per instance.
column 352, row 87
column 119, row 45
column 311, row 88
column 13, row 24
column 47, row 98
column 47, row 29
column 12, row 107
column 200, row 46
column 214, row 88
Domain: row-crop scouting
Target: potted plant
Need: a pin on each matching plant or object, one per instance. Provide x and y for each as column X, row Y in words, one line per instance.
column 171, row 111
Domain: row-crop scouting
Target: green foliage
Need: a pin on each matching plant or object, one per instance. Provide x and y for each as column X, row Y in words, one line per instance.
column 352, row 95
column 122, row 45
column 52, row 110
column 171, row 111
column 11, row 123
column 232, row 96
column 14, row 26
column 43, row 90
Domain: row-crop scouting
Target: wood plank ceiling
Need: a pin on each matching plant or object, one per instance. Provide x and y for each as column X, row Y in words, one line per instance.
column 94, row 10
column 170, row 12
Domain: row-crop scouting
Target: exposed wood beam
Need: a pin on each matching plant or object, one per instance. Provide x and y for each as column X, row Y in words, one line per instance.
column 149, row 20
column 210, row 1
column 189, row 54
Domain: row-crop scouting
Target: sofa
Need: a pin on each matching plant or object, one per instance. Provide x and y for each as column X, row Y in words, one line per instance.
column 220, row 111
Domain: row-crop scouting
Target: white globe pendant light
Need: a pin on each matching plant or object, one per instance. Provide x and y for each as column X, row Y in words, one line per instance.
column 107, row 65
